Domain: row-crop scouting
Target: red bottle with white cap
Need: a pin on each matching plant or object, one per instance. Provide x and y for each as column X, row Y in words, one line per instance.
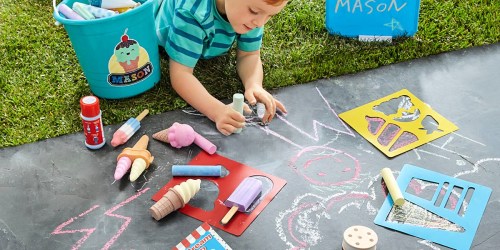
column 92, row 123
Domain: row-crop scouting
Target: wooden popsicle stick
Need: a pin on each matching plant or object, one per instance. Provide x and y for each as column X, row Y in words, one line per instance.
column 229, row 215
column 142, row 115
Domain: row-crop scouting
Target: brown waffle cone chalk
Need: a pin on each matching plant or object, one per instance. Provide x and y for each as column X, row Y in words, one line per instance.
column 170, row 202
column 161, row 135
column 175, row 198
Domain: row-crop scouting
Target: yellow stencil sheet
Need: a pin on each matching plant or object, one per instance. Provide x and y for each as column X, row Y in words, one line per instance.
column 397, row 123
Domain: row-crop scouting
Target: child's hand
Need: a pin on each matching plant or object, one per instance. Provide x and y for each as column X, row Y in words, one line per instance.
column 227, row 120
column 258, row 94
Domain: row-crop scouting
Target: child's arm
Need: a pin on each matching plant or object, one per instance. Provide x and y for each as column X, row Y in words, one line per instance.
column 192, row 91
column 249, row 67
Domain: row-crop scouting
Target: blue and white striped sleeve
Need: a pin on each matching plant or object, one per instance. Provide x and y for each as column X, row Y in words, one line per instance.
column 185, row 39
column 251, row 41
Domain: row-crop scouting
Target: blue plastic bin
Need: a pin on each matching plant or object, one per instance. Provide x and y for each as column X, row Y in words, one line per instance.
column 119, row 54
column 354, row 18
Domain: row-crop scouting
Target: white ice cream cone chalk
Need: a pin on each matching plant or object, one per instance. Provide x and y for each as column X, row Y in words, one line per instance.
column 175, row 198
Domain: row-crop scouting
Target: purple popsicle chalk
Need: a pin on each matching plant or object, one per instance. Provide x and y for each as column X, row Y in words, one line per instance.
column 242, row 197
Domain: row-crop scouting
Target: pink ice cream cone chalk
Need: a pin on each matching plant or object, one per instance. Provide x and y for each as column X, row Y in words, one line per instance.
column 242, row 197
column 182, row 135
column 138, row 158
column 128, row 129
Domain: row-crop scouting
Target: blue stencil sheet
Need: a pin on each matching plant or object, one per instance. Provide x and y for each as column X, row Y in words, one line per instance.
column 469, row 220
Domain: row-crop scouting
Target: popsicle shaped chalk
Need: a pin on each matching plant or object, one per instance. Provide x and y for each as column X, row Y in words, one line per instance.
column 182, row 135
column 242, row 197
column 128, row 129
column 138, row 157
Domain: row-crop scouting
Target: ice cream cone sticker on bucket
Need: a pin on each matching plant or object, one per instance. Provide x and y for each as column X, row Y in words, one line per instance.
column 129, row 63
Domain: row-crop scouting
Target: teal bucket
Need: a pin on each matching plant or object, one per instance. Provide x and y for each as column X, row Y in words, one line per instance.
column 107, row 50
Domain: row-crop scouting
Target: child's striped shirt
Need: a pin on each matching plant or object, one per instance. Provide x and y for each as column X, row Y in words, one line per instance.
column 190, row 30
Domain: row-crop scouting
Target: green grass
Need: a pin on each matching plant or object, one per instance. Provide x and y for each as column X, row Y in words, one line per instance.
column 41, row 81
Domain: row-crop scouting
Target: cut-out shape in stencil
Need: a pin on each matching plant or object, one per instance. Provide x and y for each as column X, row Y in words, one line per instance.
column 404, row 139
column 388, row 134
column 401, row 109
column 439, row 224
column 408, row 123
column 375, row 124
column 267, row 186
column 430, row 125
column 226, row 185
column 422, row 188
column 411, row 214
column 468, row 196
column 205, row 197
column 441, row 194
column 426, row 190
column 455, row 195
column 392, row 106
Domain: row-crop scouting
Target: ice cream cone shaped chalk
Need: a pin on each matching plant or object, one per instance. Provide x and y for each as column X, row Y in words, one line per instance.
column 170, row 202
column 178, row 135
column 142, row 143
column 137, row 156
column 122, row 167
column 188, row 189
column 182, row 135
column 175, row 198
column 138, row 167
column 161, row 135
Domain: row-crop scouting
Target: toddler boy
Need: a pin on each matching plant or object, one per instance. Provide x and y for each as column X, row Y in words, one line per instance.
column 190, row 30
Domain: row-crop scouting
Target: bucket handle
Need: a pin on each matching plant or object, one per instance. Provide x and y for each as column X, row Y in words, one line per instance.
column 54, row 5
column 56, row 12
